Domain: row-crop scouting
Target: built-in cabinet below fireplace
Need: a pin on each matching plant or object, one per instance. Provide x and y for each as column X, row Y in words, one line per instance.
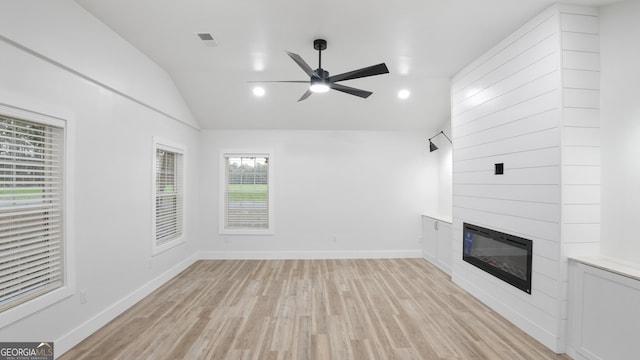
column 437, row 235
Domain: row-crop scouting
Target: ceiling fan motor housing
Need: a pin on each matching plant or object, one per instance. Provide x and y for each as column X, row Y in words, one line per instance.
column 320, row 44
column 322, row 73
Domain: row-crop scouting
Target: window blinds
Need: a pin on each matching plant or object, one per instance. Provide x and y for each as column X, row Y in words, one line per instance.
column 246, row 196
column 168, row 196
column 31, row 210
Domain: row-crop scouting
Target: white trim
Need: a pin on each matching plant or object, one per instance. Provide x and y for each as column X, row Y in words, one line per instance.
column 303, row 255
column 68, row 289
column 221, row 192
column 35, row 116
column 159, row 143
column 75, row 336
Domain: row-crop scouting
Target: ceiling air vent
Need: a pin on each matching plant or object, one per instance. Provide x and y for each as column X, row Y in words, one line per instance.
column 207, row 39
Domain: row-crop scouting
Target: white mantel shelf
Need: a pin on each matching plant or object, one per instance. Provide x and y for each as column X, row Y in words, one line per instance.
column 610, row 264
column 442, row 218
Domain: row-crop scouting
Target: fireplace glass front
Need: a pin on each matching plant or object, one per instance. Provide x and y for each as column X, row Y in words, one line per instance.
column 505, row 256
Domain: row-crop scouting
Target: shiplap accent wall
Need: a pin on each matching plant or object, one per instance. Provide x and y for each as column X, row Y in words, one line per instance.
column 580, row 190
column 529, row 103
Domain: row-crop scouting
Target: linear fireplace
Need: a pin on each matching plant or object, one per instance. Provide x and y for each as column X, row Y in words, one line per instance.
column 505, row 256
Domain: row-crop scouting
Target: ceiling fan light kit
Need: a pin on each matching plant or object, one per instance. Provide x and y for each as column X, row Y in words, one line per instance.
column 320, row 81
column 319, row 87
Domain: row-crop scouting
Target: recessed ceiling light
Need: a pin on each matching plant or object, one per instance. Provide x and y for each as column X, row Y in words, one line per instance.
column 258, row 65
column 403, row 94
column 258, row 91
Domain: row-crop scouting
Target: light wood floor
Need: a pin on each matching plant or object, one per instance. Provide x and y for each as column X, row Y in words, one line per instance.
column 310, row 309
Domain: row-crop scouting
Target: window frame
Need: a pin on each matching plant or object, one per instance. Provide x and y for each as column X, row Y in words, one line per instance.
column 223, row 188
column 64, row 120
column 161, row 144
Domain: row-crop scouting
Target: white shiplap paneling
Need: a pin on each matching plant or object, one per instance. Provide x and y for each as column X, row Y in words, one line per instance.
column 525, row 38
column 582, row 117
column 505, row 223
column 518, row 127
column 544, row 157
column 542, row 103
column 545, row 194
column 581, row 135
column 532, row 103
column 581, row 155
column 584, row 194
column 500, row 101
column 581, row 79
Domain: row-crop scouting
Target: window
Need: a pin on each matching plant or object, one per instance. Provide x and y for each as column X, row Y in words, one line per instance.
column 168, row 196
column 32, row 231
column 246, row 194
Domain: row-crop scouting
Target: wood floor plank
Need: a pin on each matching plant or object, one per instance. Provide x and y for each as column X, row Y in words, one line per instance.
column 310, row 309
column 302, row 330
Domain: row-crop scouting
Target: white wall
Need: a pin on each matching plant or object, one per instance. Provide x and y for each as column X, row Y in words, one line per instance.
column 111, row 225
column 444, row 156
column 365, row 189
column 65, row 33
column 620, row 118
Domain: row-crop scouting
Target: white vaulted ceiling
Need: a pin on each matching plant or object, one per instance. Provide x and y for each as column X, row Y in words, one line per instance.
column 423, row 42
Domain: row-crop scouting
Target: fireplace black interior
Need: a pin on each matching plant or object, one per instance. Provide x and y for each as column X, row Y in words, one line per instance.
column 505, row 256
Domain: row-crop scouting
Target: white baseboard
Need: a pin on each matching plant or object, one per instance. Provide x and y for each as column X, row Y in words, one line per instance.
column 75, row 336
column 439, row 264
column 543, row 336
column 303, row 255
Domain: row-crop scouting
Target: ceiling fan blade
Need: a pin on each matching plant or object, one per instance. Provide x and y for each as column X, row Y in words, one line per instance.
column 352, row 91
column 364, row 72
column 279, row 81
column 305, row 95
column 307, row 69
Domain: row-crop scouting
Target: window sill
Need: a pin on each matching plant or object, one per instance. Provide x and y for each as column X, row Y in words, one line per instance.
column 33, row 306
column 245, row 232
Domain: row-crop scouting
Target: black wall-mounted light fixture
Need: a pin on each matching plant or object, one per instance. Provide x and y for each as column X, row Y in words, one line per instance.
column 432, row 146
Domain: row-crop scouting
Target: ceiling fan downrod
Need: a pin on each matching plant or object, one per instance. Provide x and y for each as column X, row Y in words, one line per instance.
column 320, row 44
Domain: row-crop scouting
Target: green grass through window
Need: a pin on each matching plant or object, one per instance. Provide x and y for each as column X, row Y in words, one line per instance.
column 247, row 192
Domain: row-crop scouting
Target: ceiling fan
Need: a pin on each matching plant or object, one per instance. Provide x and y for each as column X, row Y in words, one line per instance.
column 320, row 81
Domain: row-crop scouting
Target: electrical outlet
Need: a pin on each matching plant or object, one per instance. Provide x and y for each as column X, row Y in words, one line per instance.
column 84, row 296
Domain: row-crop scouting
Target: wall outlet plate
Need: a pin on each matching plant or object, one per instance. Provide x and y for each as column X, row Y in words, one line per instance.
column 499, row 168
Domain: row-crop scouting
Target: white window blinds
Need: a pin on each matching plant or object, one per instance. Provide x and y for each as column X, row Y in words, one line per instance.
column 31, row 210
column 246, row 193
column 169, row 195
